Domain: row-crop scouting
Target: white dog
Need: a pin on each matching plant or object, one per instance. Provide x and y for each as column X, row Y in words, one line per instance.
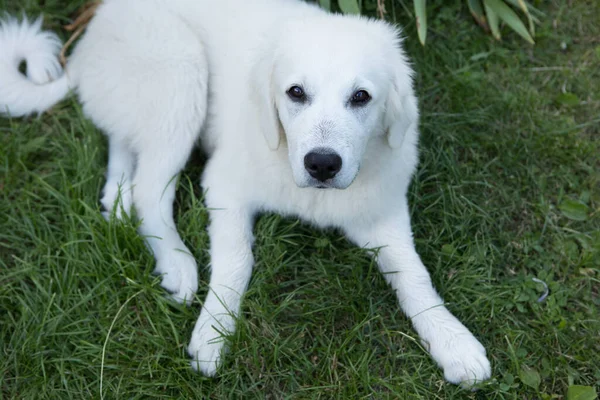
column 303, row 113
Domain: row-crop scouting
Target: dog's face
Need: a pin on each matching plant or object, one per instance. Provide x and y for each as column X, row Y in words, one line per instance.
column 335, row 86
column 328, row 107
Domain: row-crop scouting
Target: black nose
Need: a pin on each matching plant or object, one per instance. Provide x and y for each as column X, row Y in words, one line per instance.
column 322, row 164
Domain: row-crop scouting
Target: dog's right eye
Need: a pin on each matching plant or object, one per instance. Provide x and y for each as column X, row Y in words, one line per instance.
column 296, row 93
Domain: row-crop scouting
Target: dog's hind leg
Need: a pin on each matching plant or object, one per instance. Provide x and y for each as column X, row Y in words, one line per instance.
column 142, row 76
column 117, row 190
column 154, row 186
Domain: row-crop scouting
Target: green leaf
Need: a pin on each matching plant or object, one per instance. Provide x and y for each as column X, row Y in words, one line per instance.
column 421, row 17
column 493, row 21
column 574, row 210
column 349, row 6
column 322, row 243
column 326, row 4
column 506, row 14
column 577, row 392
column 477, row 12
column 584, row 197
column 530, row 377
column 562, row 324
column 448, row 249
column 567, row 99
column 509, row 378
column 523, row 6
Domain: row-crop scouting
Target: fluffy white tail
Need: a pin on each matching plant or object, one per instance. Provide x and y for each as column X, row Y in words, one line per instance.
column 45, row 83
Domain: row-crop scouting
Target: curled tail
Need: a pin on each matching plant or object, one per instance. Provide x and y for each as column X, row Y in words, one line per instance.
column 45, row 84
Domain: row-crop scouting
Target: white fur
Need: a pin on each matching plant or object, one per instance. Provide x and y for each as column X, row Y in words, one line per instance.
column 42, row 88
column 144, row 71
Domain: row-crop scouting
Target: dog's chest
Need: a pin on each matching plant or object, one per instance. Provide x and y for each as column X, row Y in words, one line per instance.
column 324, row 207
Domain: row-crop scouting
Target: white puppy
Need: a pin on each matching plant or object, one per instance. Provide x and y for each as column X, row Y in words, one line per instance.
column 307, row 114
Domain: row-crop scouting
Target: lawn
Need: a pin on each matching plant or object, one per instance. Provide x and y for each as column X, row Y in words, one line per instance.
column 508, row 190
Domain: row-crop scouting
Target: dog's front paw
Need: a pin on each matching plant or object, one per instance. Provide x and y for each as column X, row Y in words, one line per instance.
column 206, row 348
column 462, row 358
column 179, row 275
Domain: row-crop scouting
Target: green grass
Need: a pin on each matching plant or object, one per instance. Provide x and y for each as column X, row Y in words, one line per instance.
column 508, row 189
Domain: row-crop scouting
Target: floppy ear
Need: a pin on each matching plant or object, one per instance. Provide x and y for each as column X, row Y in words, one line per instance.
column 402, row 113
column 262, row 96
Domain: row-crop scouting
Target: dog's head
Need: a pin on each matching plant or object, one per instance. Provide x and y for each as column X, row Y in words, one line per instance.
column 329, row 85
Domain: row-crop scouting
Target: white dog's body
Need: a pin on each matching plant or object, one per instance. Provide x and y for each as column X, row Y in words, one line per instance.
column 153, row 74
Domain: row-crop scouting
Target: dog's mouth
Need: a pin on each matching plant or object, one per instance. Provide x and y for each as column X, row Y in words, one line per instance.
column 328, row 184
column 339, row 182
column 333, row 183
column 316, row 184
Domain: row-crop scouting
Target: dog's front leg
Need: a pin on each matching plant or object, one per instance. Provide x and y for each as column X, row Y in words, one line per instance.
column 230, row 233
column 449, row 342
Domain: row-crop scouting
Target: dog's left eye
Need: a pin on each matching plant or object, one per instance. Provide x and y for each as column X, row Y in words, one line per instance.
column 360, row 98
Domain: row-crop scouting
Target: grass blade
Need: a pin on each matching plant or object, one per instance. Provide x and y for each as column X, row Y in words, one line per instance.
column 421, row 17
column 506, row 14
